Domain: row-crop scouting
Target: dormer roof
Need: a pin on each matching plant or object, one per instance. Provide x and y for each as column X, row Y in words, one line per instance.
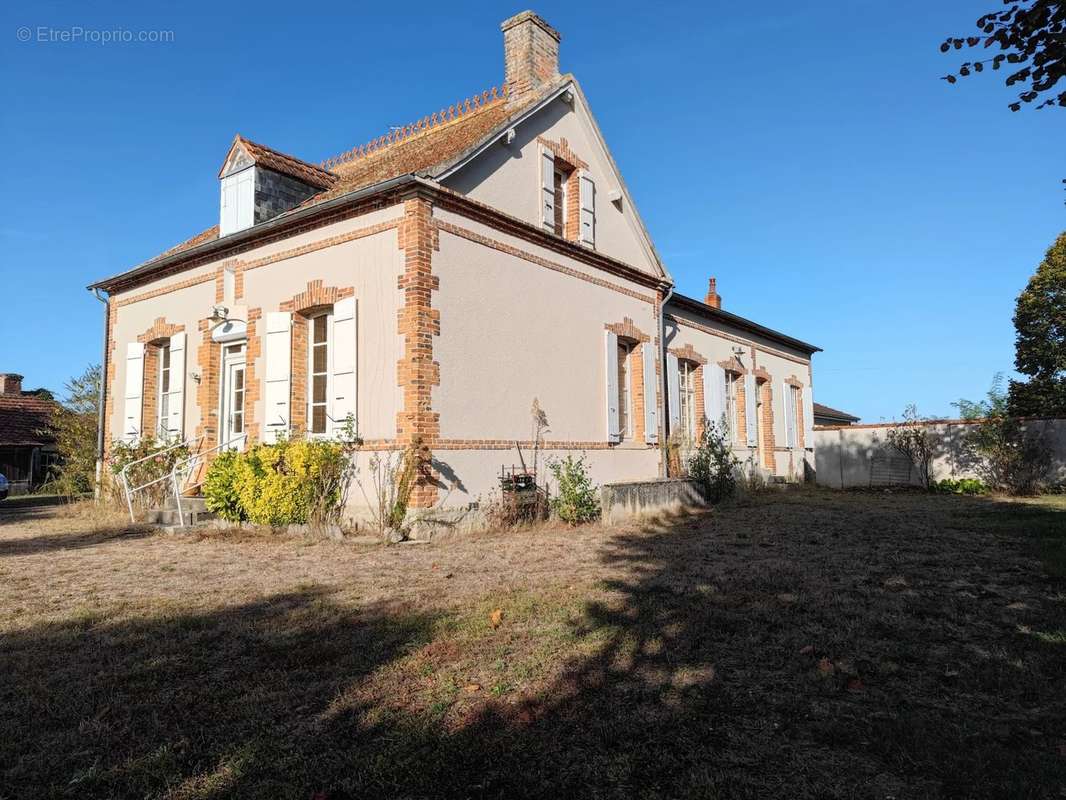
column 243, row 152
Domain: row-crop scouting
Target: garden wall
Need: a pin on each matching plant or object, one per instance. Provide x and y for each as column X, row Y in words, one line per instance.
column 860, row 455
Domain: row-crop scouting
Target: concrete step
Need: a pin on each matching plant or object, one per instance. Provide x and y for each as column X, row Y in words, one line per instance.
column 169, row 516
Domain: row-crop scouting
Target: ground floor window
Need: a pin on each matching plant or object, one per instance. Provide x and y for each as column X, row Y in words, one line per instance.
column 164, row 392
column 686, row 373
column 625, row 396
column 318, row 374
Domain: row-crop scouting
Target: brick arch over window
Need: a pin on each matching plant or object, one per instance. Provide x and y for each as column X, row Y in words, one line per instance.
column 154, row 340
column 315, row 298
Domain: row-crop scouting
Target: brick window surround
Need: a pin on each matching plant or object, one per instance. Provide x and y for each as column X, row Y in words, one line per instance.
column 766, row 416
column 154, row 340
column 569, row 163
column 733, row 365
column 631, row 335
column 314, row 300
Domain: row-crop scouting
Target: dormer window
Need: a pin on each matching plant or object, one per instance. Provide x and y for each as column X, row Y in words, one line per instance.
column 238, row 202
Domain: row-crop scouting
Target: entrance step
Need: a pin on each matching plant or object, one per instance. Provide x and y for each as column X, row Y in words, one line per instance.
column 194, row 515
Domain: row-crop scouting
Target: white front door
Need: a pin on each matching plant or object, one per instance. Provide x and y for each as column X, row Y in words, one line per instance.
column 233, row 392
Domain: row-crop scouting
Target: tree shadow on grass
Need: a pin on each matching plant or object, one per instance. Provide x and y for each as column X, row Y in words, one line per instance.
column 767, row 651
column 69, row 541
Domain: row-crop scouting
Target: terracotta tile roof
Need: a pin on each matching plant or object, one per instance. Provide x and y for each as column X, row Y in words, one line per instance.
column 270, row 158
column 416, row 148
column 23, row 418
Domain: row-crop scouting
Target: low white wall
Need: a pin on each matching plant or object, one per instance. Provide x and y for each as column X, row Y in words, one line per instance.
column 860, row 455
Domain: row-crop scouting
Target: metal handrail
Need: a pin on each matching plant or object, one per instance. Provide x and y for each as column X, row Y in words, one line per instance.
column 180, row 466
column 126, row 478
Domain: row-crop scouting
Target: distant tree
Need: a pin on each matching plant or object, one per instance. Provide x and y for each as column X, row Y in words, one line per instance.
column 1040, row 346
column 74, row 424
column 1031, row 37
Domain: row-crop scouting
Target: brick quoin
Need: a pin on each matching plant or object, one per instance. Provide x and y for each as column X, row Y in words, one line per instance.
column 418, row 323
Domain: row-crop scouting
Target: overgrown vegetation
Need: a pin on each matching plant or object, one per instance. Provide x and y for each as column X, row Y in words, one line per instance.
column 969, row 486
column 155, row 461
column 74, row 426
column 387, row 484
column 713, row 464
column 576, row 499
column 1010, row 454
column 287, row 483
column 913, row 439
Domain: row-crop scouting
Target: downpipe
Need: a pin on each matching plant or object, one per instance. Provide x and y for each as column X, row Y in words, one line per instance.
column 663, row 381
column 106, row 300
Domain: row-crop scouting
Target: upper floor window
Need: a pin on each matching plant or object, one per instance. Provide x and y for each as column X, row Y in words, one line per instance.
column 164, row 391
column 560, row 179
column 318, row 374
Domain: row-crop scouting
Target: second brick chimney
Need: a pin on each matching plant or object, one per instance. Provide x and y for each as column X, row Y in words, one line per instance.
column 10, row 384
column 713, row 299
column 530, row 55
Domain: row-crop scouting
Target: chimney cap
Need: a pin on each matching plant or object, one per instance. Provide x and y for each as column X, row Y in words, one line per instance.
column 530, row 16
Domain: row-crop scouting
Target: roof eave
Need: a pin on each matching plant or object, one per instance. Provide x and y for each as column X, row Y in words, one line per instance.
column 743, row 322
column 255, row 231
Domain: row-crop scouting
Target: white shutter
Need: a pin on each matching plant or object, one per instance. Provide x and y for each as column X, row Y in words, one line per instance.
column 614, row 426
column 588, row 210
column 278, row 373
column 131, row 422
column 246, row 199
column 673, row 391
column 344, row 363
column 750, row 410
column 547, row 189
column 808, row 418
column 651, row 410
column 714, row 395
column 788, row 418
column 176, row 396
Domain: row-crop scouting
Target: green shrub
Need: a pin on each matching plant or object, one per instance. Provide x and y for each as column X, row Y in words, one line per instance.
column 576, row 499
column 970, row 486
column 288, row 483
column 713, row 465
column 220, row 487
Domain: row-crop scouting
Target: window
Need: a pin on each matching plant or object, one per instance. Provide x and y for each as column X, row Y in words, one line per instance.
column 625, row 399
column 559, row 187
column 318, row 373
column 164, row 391
column 731, row 384
column 686, row 373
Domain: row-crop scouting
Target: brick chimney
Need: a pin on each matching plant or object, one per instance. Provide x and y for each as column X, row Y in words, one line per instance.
column 10, row 383
column 713, row 299
column 530, row 55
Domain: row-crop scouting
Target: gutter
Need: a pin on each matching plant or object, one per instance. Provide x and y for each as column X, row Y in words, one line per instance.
column 256, row 231
column 101, row 396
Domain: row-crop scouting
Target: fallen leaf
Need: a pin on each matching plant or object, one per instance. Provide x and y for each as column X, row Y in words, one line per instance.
column 807, row 650
column 825, row 666
column 472, row 688
column 496, row 617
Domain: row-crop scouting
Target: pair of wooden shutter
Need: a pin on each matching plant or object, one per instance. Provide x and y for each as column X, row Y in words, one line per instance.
column 587, row 198
column 133, row 424
column 614, row 419
column 714, row 397
column 278, row 373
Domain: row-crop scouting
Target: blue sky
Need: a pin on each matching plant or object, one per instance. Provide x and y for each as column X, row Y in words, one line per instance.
column 810, row 159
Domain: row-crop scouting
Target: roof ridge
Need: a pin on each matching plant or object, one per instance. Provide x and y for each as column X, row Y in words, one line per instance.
column 309, row 164
column 460, row 110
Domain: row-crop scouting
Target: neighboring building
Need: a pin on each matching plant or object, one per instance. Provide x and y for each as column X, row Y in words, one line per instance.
column 429, row 285
column 824, row 415
column 27, row 448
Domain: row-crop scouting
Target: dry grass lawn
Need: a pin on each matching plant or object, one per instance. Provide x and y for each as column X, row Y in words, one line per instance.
column 799, row 645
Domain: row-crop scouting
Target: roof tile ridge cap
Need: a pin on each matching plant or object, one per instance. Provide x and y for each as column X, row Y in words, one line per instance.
column 453, row 113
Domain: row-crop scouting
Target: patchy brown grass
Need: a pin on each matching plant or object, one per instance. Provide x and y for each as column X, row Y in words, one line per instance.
column 799, row 645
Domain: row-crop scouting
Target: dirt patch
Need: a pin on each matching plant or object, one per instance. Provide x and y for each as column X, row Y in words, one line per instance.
column 800, row 645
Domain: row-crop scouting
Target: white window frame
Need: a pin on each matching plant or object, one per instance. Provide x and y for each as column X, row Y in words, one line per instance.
column 328, row 344
column 560, row 174
column 162, row 406
column 625, row 385
column 731, row 381
column 792, row 417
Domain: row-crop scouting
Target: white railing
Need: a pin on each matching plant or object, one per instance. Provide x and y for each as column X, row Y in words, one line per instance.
column 186, row 467
column 125, row 474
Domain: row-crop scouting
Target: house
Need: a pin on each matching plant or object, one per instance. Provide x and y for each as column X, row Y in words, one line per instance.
column 824, row 415
column 428, row 285
column 27, row 447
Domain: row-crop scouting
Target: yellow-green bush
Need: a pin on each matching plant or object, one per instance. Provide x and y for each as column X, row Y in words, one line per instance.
column 279, row 484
